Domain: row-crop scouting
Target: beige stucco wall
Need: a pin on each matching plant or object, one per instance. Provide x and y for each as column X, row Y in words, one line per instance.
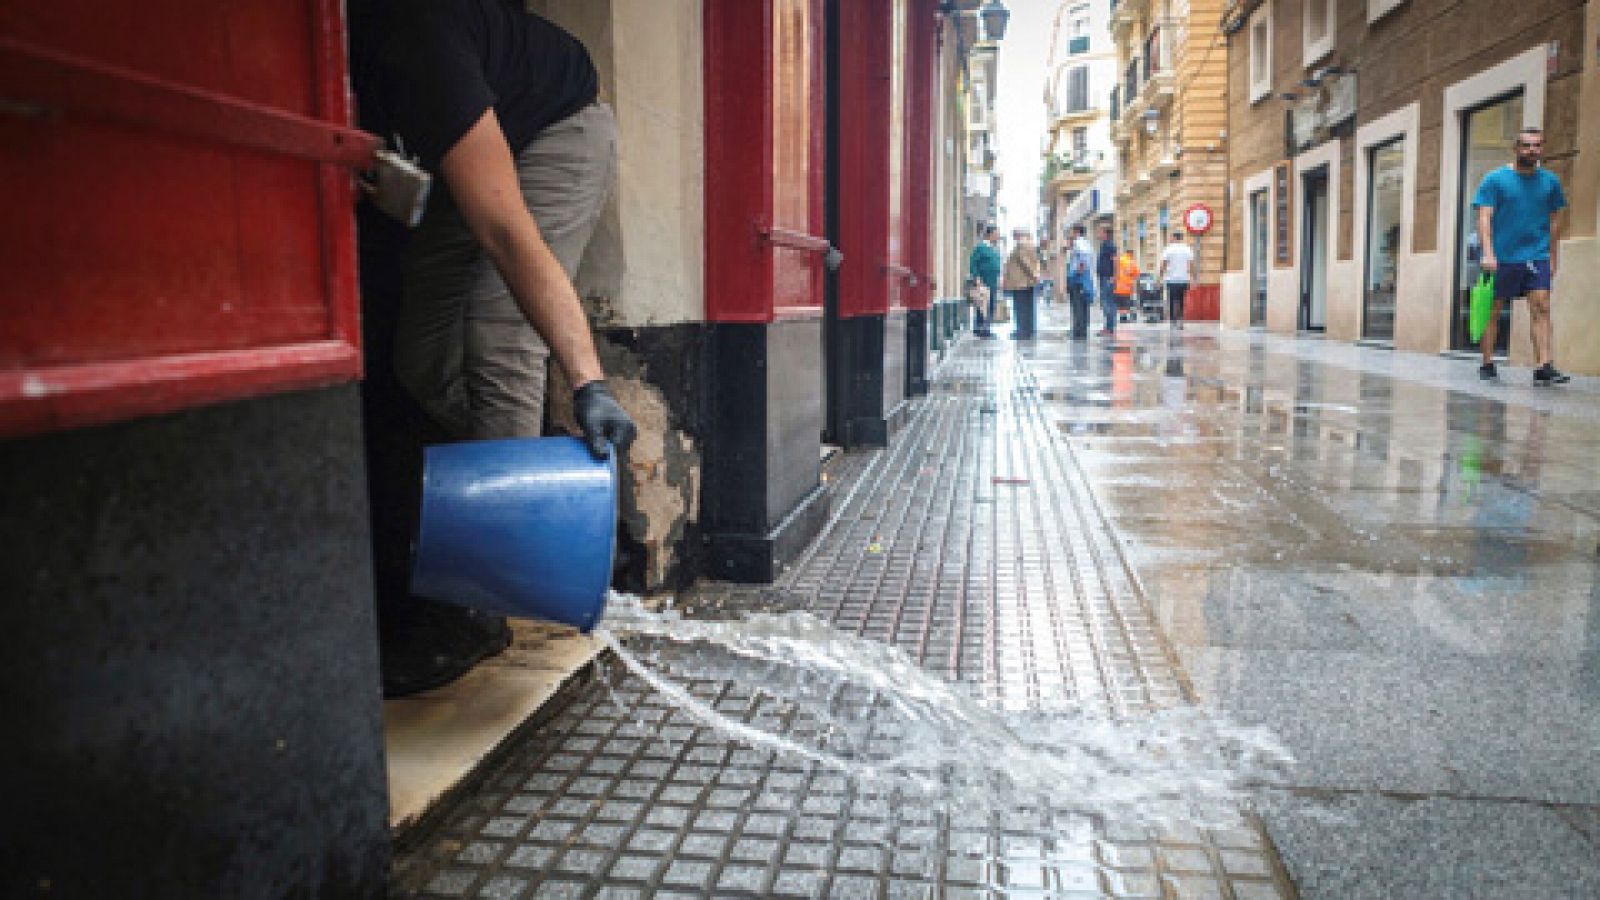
column 1345, row 296
column 1235, row 300
column 1283, row 300
column 1575, row 305
column 646, row 263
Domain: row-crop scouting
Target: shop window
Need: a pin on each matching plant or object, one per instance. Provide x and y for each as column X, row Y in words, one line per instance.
column 1386, row 191
column 1260, row 32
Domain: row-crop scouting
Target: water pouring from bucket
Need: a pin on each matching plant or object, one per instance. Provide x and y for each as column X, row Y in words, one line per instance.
column 522, row 527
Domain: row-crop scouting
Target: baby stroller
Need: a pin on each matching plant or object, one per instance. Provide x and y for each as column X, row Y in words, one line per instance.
column 1150, row 300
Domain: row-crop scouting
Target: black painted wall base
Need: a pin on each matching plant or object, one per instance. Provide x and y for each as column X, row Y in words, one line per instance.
column 189, row 660
column 860, row 355
column 918, row 322
column 762, row 499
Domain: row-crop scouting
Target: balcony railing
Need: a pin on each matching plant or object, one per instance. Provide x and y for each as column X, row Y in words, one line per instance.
column 1078, row 45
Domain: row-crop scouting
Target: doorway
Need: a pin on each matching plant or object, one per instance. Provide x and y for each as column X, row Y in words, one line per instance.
column 1314, row 251
column 1487, row 131
column 1260, row 227
column 1385, row 195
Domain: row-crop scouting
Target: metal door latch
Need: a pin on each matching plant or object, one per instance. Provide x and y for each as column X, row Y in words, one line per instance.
column 398, row 187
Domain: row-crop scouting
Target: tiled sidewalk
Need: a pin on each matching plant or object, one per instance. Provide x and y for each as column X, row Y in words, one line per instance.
column 974, row 544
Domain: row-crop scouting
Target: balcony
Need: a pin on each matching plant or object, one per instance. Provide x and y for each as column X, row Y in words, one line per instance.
column 1169, row 161
column 1155, row 65
column 1074, row 113
column 1078, row 45
column 1122, row 16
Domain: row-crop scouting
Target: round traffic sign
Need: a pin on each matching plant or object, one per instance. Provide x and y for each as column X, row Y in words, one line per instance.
column 1197, row 218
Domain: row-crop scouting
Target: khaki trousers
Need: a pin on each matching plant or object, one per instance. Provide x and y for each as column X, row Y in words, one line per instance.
column 463, row 347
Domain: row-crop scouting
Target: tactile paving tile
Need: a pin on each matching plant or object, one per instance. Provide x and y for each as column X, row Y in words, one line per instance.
column 974, row 545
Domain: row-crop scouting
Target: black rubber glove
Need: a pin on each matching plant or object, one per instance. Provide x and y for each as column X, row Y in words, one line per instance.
column 602, row 419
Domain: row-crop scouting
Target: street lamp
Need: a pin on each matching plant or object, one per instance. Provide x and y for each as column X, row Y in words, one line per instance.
column 995, row 15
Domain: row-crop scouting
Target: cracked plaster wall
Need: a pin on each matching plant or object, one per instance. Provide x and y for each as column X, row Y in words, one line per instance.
column 642, row 277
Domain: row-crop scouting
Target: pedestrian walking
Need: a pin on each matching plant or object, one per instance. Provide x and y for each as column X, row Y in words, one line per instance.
column 1020, row 280
column 1125, row 282
column 1080, row 281
column 1177, row 271
column 500, row 106
column 984, row 266
column 1105, row 270
column 1517, row 206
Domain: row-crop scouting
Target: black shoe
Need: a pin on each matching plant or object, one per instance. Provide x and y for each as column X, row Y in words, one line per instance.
column 1488, row 372
column 1548, row 374
column 425, row 645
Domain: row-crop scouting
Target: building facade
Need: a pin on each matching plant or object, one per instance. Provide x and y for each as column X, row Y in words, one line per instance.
column 1078, row 183
column 191, row 639
column 1361, row 131
column 1170, row 127
column 982, row 181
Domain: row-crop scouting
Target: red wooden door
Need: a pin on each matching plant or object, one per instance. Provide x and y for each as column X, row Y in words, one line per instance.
column 764, row 164
column 177, row 226
column 886, row 71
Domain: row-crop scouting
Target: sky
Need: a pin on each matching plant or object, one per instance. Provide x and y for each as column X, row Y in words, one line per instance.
column 1019, row 109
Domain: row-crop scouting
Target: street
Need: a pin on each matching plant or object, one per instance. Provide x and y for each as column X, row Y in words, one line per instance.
column 1386, row 562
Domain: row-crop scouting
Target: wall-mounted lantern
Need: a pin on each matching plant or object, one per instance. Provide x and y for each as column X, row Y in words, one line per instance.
column 995, row 16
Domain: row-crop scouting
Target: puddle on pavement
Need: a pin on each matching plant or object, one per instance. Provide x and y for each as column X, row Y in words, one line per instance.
column 867, row 710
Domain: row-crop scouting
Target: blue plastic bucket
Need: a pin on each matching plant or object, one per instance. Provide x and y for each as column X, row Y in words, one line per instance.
column 523, row 527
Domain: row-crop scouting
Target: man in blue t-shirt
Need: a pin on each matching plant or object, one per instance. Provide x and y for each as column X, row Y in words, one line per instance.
column 1517, row 206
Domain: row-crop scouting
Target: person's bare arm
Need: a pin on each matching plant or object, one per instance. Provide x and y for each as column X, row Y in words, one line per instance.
column 1555, row 244
column 483, row 182
column 1486, row 259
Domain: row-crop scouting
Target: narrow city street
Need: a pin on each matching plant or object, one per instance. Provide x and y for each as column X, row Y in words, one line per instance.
column 1388, row 563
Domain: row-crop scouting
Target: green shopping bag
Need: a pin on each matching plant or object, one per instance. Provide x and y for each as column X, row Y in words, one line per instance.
column 1480, row 300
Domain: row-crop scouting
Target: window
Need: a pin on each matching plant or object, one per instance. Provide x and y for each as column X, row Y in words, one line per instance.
column 1080, row 20
column 1154, row 60
column 1078, row 29
column 1317, row 27
column 1080, row 145
column 1078, row 89
column 1385, row 195
column 1261, row 53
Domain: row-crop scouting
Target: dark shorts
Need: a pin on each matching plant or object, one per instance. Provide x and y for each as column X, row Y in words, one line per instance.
column 1519, row 279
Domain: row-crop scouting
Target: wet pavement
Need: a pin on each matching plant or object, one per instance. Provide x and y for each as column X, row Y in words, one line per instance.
column 1388, row 563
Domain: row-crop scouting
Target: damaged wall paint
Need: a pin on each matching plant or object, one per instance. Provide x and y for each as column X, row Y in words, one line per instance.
column 654, row 373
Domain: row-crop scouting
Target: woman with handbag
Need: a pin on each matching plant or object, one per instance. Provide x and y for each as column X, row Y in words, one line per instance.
column 984, row 266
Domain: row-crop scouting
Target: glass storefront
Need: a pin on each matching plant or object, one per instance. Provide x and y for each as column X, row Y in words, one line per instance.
column 1486, row 137
column 1259, row 228
column 1385, row 191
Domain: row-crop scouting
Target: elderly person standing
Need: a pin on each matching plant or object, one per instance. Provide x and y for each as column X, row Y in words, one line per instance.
column 1020, row 280
column 984, row 267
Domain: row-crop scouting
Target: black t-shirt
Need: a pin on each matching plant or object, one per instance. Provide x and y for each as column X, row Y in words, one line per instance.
column 426, row 70
column 1106, row 265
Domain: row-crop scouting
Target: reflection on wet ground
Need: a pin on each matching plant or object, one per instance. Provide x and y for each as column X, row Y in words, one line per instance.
column 1388, row 562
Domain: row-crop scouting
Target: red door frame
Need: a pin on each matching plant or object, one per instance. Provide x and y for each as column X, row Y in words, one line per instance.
column 922, row 59
column 746, row 250
column 870, row 282
column 56, row 381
